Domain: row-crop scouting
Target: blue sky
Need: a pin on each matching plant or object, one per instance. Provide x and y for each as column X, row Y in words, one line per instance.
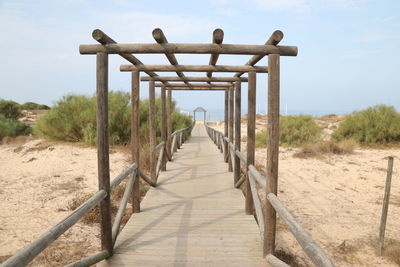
column 348, row 49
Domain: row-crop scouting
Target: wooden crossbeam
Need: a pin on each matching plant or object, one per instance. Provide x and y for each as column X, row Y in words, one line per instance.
column 193, row 79
column 195, row 85
column 193, row 68
column 218, row 37
column 194, row 88
column 228, row 49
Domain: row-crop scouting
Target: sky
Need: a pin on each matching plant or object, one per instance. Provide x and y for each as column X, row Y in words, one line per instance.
column 348, row 49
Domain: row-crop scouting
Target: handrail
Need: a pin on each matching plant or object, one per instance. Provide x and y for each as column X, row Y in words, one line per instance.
column 117, row 180
column 313, row 251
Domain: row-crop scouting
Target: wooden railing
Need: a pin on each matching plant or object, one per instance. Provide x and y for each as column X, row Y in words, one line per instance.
column 28, row 253
column 313, row 251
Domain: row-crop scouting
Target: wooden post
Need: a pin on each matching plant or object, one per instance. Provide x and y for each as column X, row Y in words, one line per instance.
column 169, row 121
column 251, row 135
column 226, row 124
column 272, row 151
column 152, row 130
column 230, row 128
column 103, row 162
column 135, row 121
column 163, row 128
column 238, row 116
column 385, row 206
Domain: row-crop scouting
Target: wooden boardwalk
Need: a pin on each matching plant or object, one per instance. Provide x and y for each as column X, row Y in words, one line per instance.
column 195, row 217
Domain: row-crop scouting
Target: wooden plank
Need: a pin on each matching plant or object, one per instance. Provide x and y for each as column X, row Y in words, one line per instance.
column 238, row 119
column 174, row 48
column 251, row 135
column 313, row 251
column 185, row 220
column 272, row 151
column 385, row 205
column 103, row 161
column 135, row 137
column 193, row 68
column 193, row 79
column 152, row 130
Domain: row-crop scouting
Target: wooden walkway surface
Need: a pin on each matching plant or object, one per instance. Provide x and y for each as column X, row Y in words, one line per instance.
column 195, row 217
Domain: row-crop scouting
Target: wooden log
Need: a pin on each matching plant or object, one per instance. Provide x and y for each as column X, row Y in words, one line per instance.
column 182, row 48
column 160, row 38
column 28, row 253
column 258, row 177
column 103, row 162
column 240, row 181
column 163, row 126
column 275, row 262
column 117, row 180
column 385, row 205
column 173, row 148
column 257, row 204
column 122, row 206
column 193, row 68
column 218, row 37
column 230, row 127
column 169, row 123
column 159, row 162
column 226, row 115
column 314, row 252
column 238, row 117
column 274, row 39
column 195, row 88
column 135, row 137
column 173, row 85
column 241, row 157
column 193, row 79
column 272, row 151
column 90, row 260
column 251, row 135
column 152, row 130
column 147, row 179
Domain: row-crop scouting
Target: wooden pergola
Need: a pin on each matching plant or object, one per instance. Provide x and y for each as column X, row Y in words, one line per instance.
column 230, row 85
column 199, row 109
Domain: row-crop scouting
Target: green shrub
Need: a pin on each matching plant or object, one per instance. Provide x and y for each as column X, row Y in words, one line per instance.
column 34, row 106
column 293, row 131
column 378, row 124
column 10, row 109
column 12, row 128
column 73, row 118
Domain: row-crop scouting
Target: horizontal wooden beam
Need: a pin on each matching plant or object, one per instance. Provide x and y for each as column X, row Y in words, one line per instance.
column 193, row 68
column 195, row 85
column 196, row 88
column 228, row 49
column 193, row 79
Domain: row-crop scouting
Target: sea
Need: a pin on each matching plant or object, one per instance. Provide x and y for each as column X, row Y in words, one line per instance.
column 218, row 114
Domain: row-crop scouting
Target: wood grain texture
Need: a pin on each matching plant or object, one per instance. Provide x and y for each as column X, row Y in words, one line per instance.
column 238, row 116
column 135, row 143
column 187, row 222
column 193, row 68
column 251, row 137
column 193, row 79
column 152, row 130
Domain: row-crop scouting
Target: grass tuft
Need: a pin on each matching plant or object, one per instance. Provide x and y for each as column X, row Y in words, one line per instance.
column 326, row 147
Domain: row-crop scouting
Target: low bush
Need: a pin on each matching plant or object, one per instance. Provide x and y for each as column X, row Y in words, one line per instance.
column 293, row 131
column 73, row 118
column 12, row 128
column 10, row 109
column 375, row 125
column 34, row 106
column 317, row 149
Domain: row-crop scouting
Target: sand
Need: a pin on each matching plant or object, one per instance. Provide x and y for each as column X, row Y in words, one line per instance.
column 338, row 200
column 37, row 181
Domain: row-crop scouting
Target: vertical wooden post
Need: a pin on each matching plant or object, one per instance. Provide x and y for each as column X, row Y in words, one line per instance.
column 230, row 128
column 103, row 162
column 251, row 135
column 169, row 121
column 385, row 206
column 152, row 129
column 272, row 151
column 135, row 121
column 226, row 124
column 238, row 93
column 163, row 128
